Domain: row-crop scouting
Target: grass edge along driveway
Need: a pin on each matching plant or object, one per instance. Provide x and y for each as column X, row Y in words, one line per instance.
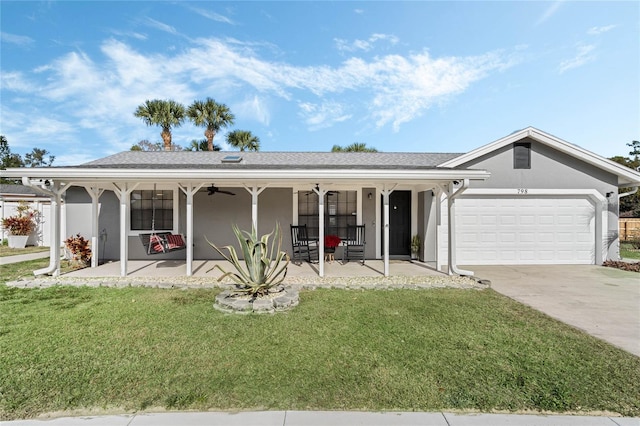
column 70, row 348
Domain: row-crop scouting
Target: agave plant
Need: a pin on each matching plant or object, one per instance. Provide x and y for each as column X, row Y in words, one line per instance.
column 265, row 266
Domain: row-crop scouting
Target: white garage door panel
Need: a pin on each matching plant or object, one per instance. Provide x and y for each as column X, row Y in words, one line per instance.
column 525, row 230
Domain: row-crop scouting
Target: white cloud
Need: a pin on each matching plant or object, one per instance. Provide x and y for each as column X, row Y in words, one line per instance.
column 160, row 26
column 583, row 56
column 600, row 30
column 132, row 34
column 212, row 15
column 101, row 93
column 549, row 12
column 318, row 116
column 253, row 108
column 14, row 81
column 365, row 45
column 16, row 39
column 29, row 128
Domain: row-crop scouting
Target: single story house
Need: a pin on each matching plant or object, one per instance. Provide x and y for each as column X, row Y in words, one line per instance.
column 527, row 198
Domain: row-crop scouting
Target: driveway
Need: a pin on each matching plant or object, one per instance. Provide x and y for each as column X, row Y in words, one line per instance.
column 604, row 302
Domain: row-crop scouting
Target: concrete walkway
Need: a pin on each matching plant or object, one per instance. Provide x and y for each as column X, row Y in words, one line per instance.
column 604, row 302
column 6, row 260
column 331, row 418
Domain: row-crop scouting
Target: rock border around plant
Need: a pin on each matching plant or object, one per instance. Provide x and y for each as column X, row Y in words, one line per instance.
column 279, row 300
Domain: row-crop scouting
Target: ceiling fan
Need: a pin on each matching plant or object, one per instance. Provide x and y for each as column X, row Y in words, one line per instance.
column 213, row 189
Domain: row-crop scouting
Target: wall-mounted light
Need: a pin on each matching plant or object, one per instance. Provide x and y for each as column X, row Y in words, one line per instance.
column 370, row 196
column 609, row 194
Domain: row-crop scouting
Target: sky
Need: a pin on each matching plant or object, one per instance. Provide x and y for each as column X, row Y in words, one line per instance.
column 419, row 76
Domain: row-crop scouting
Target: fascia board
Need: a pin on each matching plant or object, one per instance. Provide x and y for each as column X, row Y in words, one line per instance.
column 626, row 176
column 310, row 175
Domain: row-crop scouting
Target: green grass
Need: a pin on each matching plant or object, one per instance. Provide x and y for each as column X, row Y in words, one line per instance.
column 6, row 251
column 628, row 252
column 70, row 348
column 14, row 271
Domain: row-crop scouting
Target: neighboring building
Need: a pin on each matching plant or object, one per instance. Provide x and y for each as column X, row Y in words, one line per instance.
column 10, row 198
column 528, row 198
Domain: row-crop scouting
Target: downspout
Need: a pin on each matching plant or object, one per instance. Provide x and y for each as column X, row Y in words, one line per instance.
column 453, row 268
column 54, row 248
column 626, row 194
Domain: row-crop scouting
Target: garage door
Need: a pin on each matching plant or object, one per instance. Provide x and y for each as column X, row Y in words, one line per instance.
column 525, row 230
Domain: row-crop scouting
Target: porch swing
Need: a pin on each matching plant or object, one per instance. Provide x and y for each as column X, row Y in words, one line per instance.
column 160, row 242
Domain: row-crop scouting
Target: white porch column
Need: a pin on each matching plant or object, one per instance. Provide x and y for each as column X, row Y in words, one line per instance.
column 321, row 192
column 95, row 193
column 123, row 195
column 255, row 192
column 437, row 200
column 189, row 190
column 385, row 225
column 54, row 250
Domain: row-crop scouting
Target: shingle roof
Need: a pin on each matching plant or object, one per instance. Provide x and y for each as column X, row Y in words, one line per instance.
column 269, row 160
column 15, row 189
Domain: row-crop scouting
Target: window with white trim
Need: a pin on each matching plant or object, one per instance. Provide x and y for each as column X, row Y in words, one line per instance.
column 152, row 210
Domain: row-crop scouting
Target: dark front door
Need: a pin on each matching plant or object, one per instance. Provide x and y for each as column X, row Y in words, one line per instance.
column 399, row 223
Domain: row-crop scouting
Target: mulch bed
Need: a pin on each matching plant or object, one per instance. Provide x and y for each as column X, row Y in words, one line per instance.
column 633, row 267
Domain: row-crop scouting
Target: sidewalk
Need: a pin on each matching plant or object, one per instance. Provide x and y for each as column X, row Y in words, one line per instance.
column 5, row 260
column 331, row 418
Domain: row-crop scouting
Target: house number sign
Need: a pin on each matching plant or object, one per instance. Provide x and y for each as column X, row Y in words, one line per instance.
column 523, row 191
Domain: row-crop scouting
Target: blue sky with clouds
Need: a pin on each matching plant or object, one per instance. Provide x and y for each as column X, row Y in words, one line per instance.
column 398, row 76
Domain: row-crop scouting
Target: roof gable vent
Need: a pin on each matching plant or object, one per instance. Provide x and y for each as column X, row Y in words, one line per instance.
column 232, row 159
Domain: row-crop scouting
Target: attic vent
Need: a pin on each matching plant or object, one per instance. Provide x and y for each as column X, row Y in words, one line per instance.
column 232, row 159
column 521, row 155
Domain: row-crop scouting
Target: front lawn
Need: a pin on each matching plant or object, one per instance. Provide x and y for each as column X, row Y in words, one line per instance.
column 130, row 349
column 14, row 271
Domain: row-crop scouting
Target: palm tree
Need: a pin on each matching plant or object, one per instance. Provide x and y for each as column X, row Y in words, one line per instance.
column 243, row 140
column 201, row 145
column 354, row 147
column 163, row 113
column 211, row 115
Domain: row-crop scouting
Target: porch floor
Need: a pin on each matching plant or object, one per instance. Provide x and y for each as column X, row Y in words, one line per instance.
column 203, row 269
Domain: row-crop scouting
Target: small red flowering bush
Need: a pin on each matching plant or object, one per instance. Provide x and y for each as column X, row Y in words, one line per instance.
column 22, row 223
column 79, row 248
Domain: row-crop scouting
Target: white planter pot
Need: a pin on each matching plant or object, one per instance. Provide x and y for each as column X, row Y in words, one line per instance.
column 17, row 241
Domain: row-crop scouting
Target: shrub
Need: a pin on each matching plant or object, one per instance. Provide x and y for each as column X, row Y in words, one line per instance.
column 263, row 263
column 79, row 248
column 22, row 223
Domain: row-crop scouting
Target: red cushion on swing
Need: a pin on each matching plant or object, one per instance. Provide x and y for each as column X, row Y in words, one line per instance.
column 156, row 243
column 175, row 241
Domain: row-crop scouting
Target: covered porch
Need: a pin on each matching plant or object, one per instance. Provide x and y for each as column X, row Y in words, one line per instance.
column 267, row 188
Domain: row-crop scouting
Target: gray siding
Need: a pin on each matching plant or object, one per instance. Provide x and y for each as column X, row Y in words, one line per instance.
column 551, row 169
